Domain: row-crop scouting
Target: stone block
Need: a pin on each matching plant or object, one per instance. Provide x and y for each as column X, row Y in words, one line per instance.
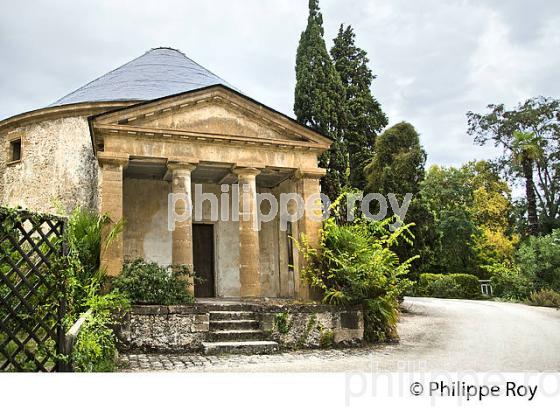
column 349, row 320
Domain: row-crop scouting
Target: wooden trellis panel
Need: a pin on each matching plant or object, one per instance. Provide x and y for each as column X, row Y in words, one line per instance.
column 31, row 291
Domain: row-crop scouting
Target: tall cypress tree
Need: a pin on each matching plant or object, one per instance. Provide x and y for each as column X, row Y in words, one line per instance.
column 365, row 118
column 318, row 96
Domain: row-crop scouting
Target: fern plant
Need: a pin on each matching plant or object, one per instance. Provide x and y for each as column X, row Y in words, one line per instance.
column 356, row 264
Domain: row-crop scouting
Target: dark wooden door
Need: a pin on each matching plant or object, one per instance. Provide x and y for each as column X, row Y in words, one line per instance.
column 203, row 260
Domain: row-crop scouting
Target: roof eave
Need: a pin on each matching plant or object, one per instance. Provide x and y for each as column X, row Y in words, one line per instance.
column 68, row 110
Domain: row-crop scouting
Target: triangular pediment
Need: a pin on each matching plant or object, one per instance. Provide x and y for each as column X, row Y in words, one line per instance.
column 215, row 112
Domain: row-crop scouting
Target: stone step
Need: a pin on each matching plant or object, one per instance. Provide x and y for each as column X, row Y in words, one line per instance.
column 235, row 335
column 230, row 307
column 246, row 347
column 234, row 324
column 231, row 315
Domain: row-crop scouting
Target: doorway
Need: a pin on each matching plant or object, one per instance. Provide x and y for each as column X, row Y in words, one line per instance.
column 203, row 260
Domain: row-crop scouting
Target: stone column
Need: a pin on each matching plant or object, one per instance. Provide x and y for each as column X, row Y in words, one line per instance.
column 249, row 251
column 307, row 183
column 181, row 237
column 111, row 203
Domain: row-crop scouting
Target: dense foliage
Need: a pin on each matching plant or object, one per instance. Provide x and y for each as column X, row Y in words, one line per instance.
column 95, row 349
column 82, row 266
column 149, row 283
column 452, row 285
column 471, row 209
column 535, row 268
column 539, row 259
column 364, row 117
column 508, row 282
column 356, row 264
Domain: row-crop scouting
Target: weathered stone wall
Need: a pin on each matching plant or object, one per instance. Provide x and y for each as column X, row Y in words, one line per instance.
column 164, row 328
column 312, row 326
column 57, row 171
column 293, row 326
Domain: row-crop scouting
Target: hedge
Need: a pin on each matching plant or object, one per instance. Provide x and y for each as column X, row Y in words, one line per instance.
column 452, row 285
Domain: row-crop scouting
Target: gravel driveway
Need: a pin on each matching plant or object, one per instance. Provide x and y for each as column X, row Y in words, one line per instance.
column 436, row 334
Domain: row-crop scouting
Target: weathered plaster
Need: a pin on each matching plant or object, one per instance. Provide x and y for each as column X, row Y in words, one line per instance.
column 58, row 170
column 146, row 235
column 145, row 214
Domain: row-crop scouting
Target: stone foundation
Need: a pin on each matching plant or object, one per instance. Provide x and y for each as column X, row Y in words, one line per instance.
column 164, row 328
column 312, row 326
column 291, row 326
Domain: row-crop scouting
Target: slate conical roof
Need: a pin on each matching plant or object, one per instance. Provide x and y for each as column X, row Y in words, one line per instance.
column 157, row 73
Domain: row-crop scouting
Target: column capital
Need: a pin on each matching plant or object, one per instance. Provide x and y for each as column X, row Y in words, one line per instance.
column 180, row 165
column 112, row 158
column 246, row 171
column 310, row 173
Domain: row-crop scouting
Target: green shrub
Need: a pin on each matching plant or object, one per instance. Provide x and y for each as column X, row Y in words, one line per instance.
column 96, row 346
column 326, row 338
column 380, row 319
column 148, row 283
column 84, row 278
column 545, row 297
column 470, row 287
column 539, row 259
column 508, row 282
column 357, row 265
column 452, row 285
column 282, row 323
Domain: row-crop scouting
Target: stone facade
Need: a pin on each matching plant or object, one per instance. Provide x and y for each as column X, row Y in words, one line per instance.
column 213, row 138
column 125, row 162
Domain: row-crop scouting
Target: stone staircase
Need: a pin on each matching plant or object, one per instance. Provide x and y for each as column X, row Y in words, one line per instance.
column 234, row 328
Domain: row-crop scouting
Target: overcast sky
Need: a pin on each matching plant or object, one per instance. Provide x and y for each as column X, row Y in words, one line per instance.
column 435, row 60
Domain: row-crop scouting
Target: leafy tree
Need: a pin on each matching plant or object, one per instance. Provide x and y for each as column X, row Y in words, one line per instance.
column 398, row 167
column 365, row 117
column 472, row 210
column 398, row 163
column 530, row 137
column 318, row 96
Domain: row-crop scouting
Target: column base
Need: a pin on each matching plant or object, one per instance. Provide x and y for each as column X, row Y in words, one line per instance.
column 250, row 291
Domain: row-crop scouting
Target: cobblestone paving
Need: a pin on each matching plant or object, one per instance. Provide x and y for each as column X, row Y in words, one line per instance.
column 196, row 362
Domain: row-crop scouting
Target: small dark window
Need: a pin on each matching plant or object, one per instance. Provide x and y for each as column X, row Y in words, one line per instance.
column 15, row 150
column 290, row 246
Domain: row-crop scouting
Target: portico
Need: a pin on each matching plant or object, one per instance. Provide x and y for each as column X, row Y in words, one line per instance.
column 207, row 146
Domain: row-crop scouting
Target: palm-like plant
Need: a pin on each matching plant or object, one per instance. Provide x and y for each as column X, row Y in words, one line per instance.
column 526, row 149
column 83, row 236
